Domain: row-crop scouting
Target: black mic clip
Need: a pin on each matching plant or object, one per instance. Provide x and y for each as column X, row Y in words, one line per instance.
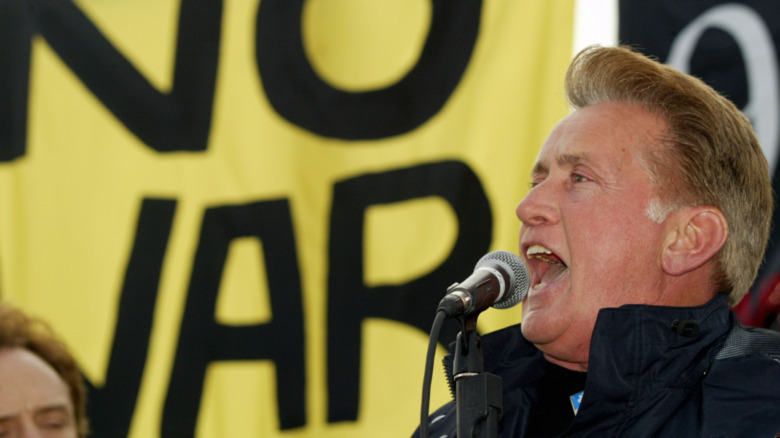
column 478, row 394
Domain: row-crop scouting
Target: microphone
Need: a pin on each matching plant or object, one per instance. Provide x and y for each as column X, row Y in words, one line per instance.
column 500, row 280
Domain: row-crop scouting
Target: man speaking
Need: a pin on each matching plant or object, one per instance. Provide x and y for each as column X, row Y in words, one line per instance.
column 648, row 216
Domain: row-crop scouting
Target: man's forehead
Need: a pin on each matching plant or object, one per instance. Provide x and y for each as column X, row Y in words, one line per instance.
column 603, row 135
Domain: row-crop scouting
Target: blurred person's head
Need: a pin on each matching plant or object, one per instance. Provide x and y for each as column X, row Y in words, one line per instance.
column 41, row 389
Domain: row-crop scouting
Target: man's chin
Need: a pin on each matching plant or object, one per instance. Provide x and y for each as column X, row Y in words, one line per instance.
column 561, row 344
column 544, row 331
column 536, row 329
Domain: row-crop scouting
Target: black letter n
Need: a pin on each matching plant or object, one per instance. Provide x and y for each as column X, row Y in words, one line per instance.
column 175, row 120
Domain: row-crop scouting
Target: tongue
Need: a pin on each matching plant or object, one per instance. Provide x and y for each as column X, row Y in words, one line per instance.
column 554, row 271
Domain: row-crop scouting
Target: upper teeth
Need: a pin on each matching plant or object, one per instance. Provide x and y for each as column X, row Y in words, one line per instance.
column 537, row 249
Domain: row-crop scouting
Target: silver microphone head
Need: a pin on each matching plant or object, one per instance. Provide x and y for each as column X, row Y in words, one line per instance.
column 518, row 273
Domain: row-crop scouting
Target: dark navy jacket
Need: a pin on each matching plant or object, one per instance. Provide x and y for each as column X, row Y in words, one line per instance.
column 653, row 372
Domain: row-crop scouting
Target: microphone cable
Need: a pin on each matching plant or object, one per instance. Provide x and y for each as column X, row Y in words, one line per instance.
column 438, row 322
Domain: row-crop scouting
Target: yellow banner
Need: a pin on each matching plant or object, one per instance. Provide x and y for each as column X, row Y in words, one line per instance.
column 240, row 215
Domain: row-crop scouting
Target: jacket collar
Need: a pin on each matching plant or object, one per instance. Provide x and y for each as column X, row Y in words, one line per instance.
column 637, row 353
column 642, row 357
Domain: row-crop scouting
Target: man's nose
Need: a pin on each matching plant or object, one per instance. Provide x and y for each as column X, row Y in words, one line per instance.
column 30, row 430
column 538, row 207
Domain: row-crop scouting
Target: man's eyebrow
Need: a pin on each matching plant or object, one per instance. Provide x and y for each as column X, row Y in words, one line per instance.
column 562, row 160
column 52, row 409
column 569, row 159
column 539, row 169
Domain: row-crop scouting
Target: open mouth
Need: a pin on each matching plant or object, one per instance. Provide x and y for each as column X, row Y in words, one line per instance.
column 545, row 265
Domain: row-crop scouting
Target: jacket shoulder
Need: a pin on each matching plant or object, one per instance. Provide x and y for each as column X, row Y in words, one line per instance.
column 744, row 341
column 744, row 384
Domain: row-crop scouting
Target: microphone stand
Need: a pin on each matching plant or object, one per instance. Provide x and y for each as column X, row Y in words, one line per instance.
column 479, row 395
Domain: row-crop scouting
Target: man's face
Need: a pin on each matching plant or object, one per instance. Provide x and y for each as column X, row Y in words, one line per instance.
column 34, row 400
column 585, row 235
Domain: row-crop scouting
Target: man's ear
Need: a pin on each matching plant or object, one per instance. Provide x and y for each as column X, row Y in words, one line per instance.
column 695, row 236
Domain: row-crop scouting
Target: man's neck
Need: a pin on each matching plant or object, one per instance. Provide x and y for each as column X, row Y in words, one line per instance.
column 574, row 366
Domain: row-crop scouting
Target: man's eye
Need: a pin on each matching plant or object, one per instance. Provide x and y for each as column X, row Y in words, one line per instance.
column 54, row 420
column 6, row 427
column 53, row 425
column 579, row 178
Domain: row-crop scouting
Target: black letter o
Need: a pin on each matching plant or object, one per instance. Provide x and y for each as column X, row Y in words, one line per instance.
column 299, row 95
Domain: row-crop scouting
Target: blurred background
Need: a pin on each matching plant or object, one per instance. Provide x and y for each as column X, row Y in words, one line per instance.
column 240, row 215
